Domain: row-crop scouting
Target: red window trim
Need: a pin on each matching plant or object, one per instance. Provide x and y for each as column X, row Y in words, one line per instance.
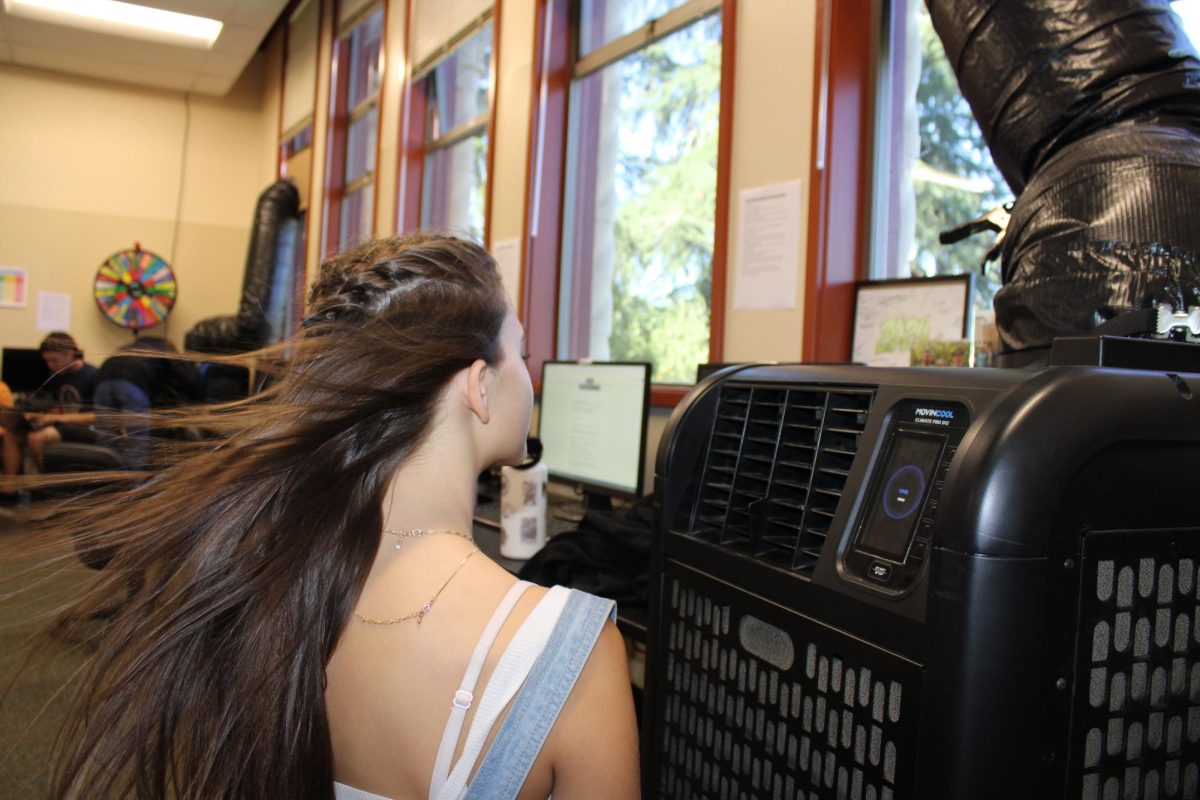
column 839, row 208
column 541, row 245
column 410, row 165
column 339, row 123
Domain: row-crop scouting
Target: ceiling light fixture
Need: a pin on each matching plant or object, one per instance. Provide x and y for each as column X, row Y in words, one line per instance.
column 121, row 19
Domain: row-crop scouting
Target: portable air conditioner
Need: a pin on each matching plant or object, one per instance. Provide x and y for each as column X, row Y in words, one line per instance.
column 918, row 583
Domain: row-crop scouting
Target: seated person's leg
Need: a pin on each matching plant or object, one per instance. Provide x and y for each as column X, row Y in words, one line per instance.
column 12, row 454
column 36, row 441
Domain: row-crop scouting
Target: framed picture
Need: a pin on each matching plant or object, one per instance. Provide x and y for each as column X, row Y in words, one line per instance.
column 894, row 318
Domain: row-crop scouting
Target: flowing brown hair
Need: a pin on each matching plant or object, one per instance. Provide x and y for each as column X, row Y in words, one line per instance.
column 250, row 552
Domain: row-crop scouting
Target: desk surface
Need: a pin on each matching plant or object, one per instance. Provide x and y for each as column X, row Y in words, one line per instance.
column 632, row 621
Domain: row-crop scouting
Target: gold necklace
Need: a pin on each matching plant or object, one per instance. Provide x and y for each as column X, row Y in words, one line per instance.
column 427, row 606
column 424, row 531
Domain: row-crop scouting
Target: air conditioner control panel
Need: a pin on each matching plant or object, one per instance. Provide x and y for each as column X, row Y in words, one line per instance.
column 891, row 537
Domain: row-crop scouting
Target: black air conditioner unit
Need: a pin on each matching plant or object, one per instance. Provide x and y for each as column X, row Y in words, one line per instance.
column 880, row 584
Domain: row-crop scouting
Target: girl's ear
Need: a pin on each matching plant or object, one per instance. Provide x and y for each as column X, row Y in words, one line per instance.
column 477, row 399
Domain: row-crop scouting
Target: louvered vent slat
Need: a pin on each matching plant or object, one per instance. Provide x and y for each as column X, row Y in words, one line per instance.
column 777, row 464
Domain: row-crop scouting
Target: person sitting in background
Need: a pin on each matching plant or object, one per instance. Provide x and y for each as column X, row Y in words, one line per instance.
column 67, row 414
column 141, row 376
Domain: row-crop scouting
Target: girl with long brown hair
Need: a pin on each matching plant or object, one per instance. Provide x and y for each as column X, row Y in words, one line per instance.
column 312, row 619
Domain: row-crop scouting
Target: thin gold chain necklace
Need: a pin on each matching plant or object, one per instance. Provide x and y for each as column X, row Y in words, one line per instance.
column 426, row 607
column 402, row 535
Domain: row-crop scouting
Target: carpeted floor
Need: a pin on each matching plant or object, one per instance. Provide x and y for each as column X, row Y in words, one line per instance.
column 34, row 706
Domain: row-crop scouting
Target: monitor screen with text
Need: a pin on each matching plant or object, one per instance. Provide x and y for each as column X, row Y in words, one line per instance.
column 592, row 423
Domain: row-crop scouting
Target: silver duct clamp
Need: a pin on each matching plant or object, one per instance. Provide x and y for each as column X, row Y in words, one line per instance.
column 995, row 220
column 1179, row 325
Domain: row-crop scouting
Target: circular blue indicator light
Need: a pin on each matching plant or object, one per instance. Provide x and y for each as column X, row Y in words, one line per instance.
column 903, row 492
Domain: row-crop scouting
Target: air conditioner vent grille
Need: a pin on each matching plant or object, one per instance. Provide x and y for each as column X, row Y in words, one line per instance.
column 776, row 467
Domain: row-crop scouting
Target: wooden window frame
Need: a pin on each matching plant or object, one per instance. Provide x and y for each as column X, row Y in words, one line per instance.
column 340, row 118
column 839, row 219
column 414, row 130
column 553, row 67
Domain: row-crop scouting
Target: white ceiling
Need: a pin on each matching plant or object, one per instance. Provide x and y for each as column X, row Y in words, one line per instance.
column 116, row 58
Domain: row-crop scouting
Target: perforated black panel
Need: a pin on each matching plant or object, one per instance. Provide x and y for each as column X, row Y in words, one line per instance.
column 1136, row 722
column 758, row 701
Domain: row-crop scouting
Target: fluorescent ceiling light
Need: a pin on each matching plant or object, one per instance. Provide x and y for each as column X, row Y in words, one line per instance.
column 121, row 19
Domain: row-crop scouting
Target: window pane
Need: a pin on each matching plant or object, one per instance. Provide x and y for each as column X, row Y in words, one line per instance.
column 364, row 58
column 298, row 142
column 641, row 205
column 460, row 84
column 601, row 21
column 454, row 181
column 1189, row 16
column 360, row 145
column 935, row 171
column 357, row 208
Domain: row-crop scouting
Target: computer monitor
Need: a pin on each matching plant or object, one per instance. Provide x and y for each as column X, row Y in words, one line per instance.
column 592, row 424
column 23, row 369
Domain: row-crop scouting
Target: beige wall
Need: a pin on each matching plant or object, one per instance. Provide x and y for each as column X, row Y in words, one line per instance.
column 772, row 133
column 514, row 73
column 91, row 167
column 391, row 91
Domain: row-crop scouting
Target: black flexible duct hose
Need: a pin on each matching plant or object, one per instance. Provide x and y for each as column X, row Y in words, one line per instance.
column 1091, row 109
column 275, row 218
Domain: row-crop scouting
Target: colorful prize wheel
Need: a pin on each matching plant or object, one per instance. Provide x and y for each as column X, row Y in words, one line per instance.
column 135, row 288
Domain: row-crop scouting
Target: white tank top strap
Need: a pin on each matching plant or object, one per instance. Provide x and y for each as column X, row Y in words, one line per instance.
column 343, row 792
column 465, row 696
column 514, row 666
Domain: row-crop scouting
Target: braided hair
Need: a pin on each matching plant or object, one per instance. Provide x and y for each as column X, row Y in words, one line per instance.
column 209, row 683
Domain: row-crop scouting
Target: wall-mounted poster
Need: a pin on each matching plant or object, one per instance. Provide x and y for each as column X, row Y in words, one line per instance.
column 53, row 311
column 14, row 287
column 893, row 318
